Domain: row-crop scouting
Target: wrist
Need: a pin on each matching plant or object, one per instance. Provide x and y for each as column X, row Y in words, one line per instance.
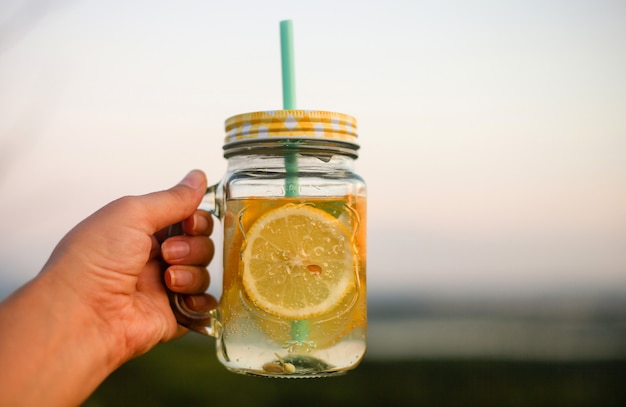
column 59, row 333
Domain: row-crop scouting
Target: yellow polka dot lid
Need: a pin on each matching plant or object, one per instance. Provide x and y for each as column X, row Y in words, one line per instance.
column 290, row 124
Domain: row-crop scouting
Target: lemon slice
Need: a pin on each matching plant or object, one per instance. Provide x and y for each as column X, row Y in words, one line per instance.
column 298, row 262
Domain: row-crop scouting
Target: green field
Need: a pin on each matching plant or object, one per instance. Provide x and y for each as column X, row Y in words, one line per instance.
column 186, row 373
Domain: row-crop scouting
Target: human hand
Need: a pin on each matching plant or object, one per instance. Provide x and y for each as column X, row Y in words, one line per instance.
column 114, row 265
column 100, row 299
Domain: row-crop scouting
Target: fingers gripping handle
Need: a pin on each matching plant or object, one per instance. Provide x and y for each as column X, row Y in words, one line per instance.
column 203, row 322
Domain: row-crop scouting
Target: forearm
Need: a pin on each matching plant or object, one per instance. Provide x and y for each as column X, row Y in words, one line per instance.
column 51, row 352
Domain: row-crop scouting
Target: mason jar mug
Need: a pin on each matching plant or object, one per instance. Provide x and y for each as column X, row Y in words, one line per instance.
column 293, row 210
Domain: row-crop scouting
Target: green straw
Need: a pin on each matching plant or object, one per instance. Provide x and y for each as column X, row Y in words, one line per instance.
column 289, row 102
column 299, row 329
column 288, row 66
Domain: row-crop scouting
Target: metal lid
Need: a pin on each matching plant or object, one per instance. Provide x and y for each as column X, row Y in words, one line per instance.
column 290, row 124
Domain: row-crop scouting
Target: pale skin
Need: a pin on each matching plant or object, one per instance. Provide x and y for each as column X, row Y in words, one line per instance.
column 100, row 299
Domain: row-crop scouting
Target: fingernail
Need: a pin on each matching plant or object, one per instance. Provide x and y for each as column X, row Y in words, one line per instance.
column 175, row 249
column 200, row 223
column 190, row 302
column 199, row 302
column 180, row 278
column 193, row 179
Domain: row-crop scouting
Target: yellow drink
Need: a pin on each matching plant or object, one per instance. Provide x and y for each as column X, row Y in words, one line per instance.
column 293, row 298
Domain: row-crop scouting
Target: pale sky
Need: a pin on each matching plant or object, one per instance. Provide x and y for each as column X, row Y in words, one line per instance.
column 493, row 133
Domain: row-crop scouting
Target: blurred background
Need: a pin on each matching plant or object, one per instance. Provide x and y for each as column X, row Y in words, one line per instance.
column 493, row 141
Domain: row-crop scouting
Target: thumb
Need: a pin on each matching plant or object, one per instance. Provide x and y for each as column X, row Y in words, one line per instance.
column 173, row 205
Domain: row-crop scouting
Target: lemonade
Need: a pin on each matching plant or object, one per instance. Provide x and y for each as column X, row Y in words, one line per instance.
column 294, row 285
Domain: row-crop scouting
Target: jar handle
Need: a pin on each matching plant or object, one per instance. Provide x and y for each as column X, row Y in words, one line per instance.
column 203, row 322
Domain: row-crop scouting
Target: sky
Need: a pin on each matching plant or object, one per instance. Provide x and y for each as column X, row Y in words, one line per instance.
column 493, row 135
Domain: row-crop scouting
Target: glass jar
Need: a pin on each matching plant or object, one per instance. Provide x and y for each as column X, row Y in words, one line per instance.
column 293, row 209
